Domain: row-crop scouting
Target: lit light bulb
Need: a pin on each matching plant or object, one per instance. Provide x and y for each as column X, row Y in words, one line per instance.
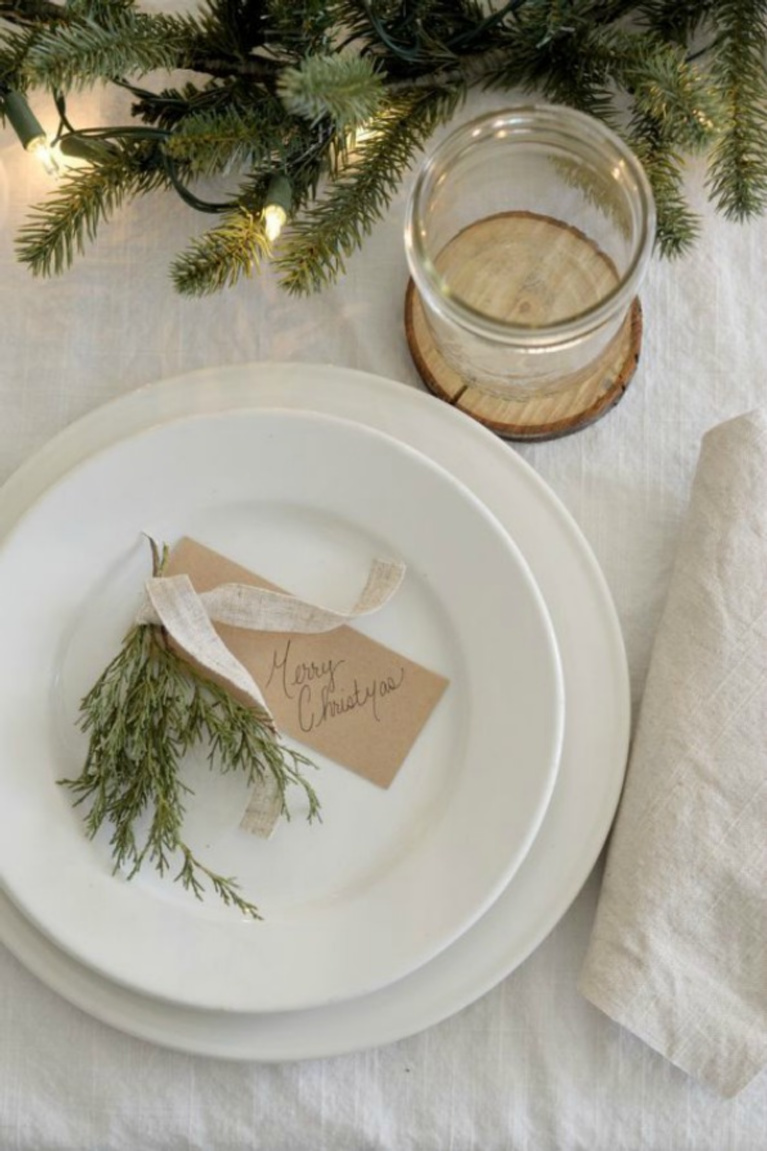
column 42, row 151
column 274, row 221
column 29, row 130
column 277, row 203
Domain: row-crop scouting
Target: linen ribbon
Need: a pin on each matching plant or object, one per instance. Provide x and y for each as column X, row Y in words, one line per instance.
column 188, row 618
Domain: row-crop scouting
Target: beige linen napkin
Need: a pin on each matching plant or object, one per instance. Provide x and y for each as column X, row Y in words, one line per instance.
column 679, row 949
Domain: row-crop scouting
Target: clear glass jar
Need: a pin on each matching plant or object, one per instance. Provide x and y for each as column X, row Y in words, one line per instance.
column 528, row 232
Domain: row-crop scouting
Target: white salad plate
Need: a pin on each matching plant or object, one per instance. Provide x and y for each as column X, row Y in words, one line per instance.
column 390, row 877
column 594, row 749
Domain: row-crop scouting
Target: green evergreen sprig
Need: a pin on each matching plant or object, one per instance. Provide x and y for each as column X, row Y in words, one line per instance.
column 278, row 86
column 332, row 228
column 738, row 170
column 75, row 55
column 225, row 254
column 345, row 88
column 219, row 140
column 147, row 709
column 60, row 227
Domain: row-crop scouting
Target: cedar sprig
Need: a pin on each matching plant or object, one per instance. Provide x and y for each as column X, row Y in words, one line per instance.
column 147, row 709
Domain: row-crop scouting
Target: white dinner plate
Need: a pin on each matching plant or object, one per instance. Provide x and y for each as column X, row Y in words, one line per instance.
column 594, row 750
column 389, row 877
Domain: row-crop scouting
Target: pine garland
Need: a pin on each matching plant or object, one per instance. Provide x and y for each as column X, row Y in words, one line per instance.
column 283, row 87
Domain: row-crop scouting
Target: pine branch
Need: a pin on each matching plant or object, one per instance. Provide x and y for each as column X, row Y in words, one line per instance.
column 217, row 140
column 667, row 91
column 409, row 37
column 738, row 167
column 314, row 250
column 259, row 69
column 60, row 227
column 345, row 88
column 82, row 52
column 677, row 226
column 582, row 64
column 222, row 256
column 557, row 49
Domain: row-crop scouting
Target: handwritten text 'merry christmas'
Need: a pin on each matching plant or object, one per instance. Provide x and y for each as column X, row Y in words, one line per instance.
column 320, row 696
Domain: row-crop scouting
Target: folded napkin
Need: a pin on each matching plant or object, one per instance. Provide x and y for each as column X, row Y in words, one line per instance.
column 679, row 949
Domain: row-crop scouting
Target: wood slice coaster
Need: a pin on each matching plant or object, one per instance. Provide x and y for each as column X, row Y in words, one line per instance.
column 511, row 270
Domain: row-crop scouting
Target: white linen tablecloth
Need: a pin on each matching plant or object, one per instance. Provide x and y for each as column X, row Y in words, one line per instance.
column 531, row 1066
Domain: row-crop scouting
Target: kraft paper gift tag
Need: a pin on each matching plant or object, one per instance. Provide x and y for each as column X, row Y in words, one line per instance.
column 339, row 692
column 678, row 953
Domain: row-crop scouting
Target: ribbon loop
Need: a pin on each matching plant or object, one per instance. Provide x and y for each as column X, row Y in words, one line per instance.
column 182, row 613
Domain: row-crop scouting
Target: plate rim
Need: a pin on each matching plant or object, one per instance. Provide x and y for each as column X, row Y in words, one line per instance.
column 460, row 979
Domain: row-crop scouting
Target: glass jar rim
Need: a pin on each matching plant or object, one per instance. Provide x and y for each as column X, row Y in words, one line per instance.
column 535, row 122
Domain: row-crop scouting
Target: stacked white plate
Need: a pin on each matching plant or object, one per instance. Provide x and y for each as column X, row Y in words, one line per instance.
column 404, row 905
